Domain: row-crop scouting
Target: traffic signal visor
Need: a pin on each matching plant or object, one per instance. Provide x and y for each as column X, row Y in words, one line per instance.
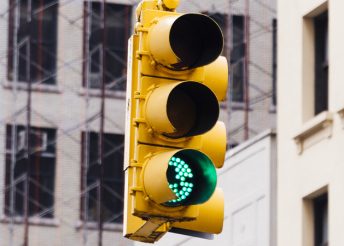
column 184, row 42
column 181, row 109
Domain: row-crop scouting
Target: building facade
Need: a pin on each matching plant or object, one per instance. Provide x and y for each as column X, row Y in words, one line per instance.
column 58, row 50
column 51, row 72
column 310, row 123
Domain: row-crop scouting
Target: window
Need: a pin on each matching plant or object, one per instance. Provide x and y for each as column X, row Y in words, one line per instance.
column 321, row 62
column 320, row 208
column 274, row 61
column 35, row 56
column 237, row 58
column 113, row 189
column 117, row 29
column 41, row 171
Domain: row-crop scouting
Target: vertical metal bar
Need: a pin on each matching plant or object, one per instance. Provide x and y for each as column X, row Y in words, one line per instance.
column 28, row 126
column 15, row 8
column 101, row 133
column 40, row 41
column 246, row 69
column 86, row 75
column 274, row 61
column 229, row 48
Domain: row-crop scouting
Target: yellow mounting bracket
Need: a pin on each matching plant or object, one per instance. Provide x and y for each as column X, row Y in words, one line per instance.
column 164, row 5
column 168, row 5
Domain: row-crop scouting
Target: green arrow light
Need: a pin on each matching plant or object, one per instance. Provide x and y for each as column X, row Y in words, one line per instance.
column 192, row 178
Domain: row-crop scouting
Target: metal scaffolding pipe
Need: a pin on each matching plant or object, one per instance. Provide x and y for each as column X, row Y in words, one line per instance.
column 246, row 69
column 101, row 132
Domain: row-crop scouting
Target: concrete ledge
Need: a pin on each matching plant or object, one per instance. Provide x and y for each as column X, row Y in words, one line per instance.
column 51, row 222
column 98, row 93
column 94, row 226
column 315, row 130
column 22, row 86
column 341, row 114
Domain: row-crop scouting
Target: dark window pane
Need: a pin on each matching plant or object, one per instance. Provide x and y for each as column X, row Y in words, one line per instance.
column 36, row 41
column 117, row 29
column 274, row 61
column 238, row 81
column 321, row 221
column 113, row 179
column 42, row 171
column 237, row 58
column 22, row 62
column 321, row 63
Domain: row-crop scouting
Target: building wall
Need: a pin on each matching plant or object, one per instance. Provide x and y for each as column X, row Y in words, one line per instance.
column 310, row 162
column 248, row 179
column 62, row 107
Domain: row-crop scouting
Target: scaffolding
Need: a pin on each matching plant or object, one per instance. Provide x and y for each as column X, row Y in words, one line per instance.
column 240, row 130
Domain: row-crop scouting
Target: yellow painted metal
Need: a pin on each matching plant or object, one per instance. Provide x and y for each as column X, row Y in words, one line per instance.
column 151, row 74
column 210, row 218
column 150, row 159
column 155, row 181
column 130, row 223
column 171, row 4
column 146, row 219
column 146, row 134
column 214, row 144
column 149, row 62
column 159, row 41
column 216, row 77
column 181, row 109
column 155, row 227
column 156, row 109
column 181, row 42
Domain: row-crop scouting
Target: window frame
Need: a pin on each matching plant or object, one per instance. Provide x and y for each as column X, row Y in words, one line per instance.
column 94, row 136
column 37, row 176
column 47, row 69
column 86, row 49
column 237, row 60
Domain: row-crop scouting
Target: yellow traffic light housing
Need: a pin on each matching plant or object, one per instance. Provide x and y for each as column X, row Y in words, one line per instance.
column 174, row 142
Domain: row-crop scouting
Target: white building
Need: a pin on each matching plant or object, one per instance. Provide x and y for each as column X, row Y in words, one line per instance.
column 310, row 123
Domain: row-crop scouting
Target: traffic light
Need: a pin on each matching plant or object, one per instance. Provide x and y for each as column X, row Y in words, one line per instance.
column 174, row 141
